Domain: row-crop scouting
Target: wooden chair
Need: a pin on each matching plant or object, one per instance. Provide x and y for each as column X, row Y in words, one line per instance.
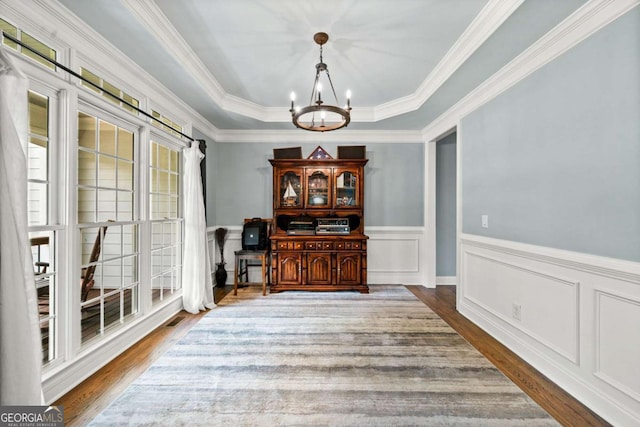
column 252, row 258
column 87, row 280
column 40, row 267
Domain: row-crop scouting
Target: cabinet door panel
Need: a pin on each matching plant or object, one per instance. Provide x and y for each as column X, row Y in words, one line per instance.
column 318, row 184
column 349, row 269
column 289, row 269
column 319, row 269
column 289, row 192
column 347, row 188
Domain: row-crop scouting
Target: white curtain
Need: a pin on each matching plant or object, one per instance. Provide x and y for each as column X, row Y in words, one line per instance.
column 197, row 289
column 20, row 346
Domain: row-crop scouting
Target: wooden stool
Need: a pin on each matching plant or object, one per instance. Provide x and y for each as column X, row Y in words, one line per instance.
column 243, row 262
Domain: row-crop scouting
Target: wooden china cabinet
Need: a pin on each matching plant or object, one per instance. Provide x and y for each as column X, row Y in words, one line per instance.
column 317, row 237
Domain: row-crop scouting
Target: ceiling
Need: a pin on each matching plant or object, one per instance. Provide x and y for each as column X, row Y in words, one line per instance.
column 405, row 61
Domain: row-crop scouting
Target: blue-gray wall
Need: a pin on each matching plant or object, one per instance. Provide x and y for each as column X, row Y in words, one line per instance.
column 446, row 206
column 239, row 181
column 555, row 160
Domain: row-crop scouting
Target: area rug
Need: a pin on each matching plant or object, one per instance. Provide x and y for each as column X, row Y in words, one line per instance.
column 333, row 359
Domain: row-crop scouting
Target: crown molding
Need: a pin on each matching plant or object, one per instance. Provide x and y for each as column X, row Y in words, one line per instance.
column 66, row 29
column 490, row 18
column 584, row 22
column 155, row 21
column 298, row 136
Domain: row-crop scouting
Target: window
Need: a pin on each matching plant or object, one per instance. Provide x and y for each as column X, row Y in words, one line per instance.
column 109, row 235
column 167, row 124
column 115, row 261
column 29, row 41
column 166, row 228
column 42, row 230
column 93, row 78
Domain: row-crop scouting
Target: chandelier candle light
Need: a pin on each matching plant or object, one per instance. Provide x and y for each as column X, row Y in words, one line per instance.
column 330, row 117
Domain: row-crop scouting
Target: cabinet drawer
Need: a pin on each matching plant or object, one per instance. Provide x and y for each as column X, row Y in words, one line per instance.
column 318, row 246
column 284, row 246
column 341, row 246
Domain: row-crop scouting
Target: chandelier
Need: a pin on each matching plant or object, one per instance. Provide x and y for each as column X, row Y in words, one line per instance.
column 318, row 116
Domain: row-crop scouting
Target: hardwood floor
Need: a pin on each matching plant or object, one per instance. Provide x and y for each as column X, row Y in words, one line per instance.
column 557, row 402
column 88, row 399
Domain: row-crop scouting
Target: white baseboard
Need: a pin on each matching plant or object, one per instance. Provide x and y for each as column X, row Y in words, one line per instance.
column 446, row 280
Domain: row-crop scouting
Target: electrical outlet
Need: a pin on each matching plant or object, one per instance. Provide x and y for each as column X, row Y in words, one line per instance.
column 485, row 221
column 516, row 311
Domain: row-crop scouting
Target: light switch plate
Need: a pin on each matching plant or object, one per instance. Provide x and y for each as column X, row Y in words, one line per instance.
column 485, row 221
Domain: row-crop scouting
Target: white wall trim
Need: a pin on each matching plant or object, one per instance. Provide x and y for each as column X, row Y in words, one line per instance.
column 66, row 29
column 608, row 267
column 431, row 230
column 151, row 17
column 488, row 20
column 294, row 136
column 494, row 13
column 405, row 264
column 577, row 303
column 446, row 280
column 574, row 285
column 588, row 19
column 599, row 350
column 71, row 31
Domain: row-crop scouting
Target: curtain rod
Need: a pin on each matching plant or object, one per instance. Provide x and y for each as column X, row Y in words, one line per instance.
column 74, row 74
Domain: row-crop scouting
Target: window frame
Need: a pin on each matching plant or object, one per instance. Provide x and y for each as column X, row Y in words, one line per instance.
column 89, row 107
column 54, row 225
column 170, row 141
column 34, row 33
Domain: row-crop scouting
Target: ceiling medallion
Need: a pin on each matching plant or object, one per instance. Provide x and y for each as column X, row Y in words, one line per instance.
column 318, row 116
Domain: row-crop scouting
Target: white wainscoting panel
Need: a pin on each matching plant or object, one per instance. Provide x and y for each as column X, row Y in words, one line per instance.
column 575, row 317
column 617, row 360
column 395, row 255
column 521, row 298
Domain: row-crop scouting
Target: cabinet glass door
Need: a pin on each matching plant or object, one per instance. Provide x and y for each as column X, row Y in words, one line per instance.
column 346, row 189
column 290, row 190
column 318, row 189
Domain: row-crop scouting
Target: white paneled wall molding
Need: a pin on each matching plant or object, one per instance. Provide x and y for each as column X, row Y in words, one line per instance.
column 395, row 255
column 575, row 317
